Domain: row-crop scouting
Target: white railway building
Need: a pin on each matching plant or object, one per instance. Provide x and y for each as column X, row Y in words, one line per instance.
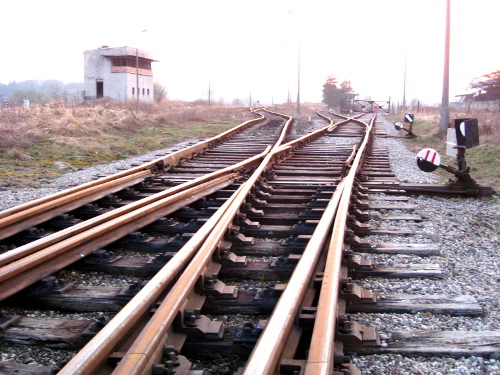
column 120, row 73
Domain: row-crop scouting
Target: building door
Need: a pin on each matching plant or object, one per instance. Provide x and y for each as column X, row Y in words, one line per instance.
column 99, row 89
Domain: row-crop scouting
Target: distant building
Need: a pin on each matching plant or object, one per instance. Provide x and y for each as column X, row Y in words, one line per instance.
column 121, row 73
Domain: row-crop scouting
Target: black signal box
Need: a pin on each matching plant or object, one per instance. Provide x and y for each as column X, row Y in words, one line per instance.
column 467, row 132
column 409, row 117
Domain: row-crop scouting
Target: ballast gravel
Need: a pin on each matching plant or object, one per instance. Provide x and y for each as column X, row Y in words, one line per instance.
column 466, row 230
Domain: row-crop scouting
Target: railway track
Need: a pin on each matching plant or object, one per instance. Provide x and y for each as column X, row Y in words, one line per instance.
column 256, row 206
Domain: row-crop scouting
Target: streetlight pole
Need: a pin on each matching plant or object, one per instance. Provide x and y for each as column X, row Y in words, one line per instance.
column 444, row 120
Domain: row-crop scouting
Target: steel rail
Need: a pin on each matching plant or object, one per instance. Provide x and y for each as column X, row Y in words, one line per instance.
column 354, row 118
column 268, row 350
column 210, row 235
column 82, row 239
column 147, row 348
column 34, row 246
column 18, row 275
column 92, row 355
column 73, row 197
column 266, row 353
column 320, row 360
column 311, row 136
column 16, row 222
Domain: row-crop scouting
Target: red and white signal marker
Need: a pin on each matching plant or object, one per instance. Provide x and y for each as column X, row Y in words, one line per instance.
column 398, row 126
column 428, row 160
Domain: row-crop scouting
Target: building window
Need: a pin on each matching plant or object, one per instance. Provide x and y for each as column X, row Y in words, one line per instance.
column 142, row 92
column 148, row 92
column 133, row 90
column 131, row 62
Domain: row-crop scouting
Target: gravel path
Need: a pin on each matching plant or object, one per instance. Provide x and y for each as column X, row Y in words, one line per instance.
column 466, row 230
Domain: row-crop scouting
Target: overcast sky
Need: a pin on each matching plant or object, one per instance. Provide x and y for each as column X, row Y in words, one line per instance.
column 244, row 47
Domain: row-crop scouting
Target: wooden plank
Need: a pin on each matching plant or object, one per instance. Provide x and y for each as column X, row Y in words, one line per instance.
column 367, row 184
column 401, row 271
column 55, row 333
column 457, row 305
column 380, row 206
column 401, row 217
column 437, row 343
column 387, row 230
column 381, row 190
column 403, row 248
column 389, row 198
column 12, row 368
column 83, row 298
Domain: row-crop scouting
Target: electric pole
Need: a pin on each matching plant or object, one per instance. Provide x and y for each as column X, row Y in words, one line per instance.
column 444, row 120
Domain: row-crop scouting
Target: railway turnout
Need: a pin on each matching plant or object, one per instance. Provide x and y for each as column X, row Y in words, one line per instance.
column 254, row 222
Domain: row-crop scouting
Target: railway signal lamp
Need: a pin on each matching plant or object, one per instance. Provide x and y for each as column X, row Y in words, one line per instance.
column 409, row 118
column 467, row 132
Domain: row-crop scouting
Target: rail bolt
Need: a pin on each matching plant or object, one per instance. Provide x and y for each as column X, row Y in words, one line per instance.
column 347, row 326
column 170, row 354
column 190, row 316
column 172, row 359
column 209, row 282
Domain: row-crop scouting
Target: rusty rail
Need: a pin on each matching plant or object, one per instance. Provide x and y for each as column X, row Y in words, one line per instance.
column 147, row 348
column 32, row 262
column 268, row 350
column 322, row 348
column 46, row 209
column 17, row 275
column 34, row 246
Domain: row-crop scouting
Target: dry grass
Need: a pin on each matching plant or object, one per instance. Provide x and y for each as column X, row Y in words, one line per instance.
column 489, row 122
column 88, row 134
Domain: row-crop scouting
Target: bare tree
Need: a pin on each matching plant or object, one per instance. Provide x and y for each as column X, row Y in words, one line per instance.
column 159, row 92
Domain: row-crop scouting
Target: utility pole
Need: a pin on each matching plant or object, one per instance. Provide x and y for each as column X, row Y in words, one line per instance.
column 404, row 86
column 444, row 120
column 137, row 72
column 298, row 80
column 209, row 98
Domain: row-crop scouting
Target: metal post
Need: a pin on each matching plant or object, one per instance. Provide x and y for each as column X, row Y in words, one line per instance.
column 298, row 81
column 137, row 72
column 404, row 86
column 445, row 105
column 209, row 98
